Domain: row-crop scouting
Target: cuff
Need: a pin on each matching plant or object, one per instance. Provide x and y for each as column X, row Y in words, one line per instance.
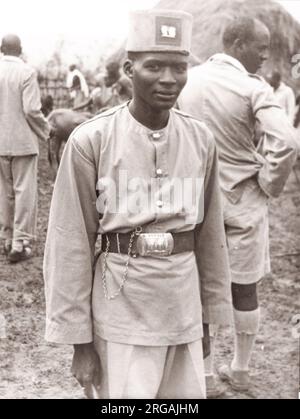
column 221, row 315
column 75, row 334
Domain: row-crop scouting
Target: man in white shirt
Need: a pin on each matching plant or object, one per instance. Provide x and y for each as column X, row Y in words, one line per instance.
column 284, row 95
column 76, row 83
column 233, row 101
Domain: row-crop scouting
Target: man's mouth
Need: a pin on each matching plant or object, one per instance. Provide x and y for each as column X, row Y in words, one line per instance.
column 166, row 95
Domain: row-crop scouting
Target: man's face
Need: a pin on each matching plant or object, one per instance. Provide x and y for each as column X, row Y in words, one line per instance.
column 254, row 53
column 112, row 74
column 158, row 78
column 275, row 80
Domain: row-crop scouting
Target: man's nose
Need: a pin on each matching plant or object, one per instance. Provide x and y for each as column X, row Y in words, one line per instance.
column 167, row 76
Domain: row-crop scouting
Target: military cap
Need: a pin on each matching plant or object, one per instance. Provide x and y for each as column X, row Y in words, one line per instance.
column 160, row 31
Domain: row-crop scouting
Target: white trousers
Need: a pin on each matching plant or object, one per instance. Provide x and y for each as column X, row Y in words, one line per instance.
column 18, row 197
column 144, row 372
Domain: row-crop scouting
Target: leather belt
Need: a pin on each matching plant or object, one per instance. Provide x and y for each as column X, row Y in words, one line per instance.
column 119, row 242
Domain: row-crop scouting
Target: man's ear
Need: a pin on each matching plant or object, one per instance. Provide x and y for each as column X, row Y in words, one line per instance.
column 238, row 45
column 128, row 68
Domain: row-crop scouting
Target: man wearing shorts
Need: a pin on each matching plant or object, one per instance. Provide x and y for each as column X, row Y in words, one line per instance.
column 236, row 104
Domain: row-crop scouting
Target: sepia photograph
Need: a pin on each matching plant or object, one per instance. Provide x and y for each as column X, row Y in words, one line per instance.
column 150, row 202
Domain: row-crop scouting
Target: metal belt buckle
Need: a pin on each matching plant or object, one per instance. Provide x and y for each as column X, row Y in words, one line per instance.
column 155, row 244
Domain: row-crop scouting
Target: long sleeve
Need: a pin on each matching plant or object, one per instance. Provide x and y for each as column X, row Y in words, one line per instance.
column 32, row 108
column 211, row 251
column 277, row 151
column 69, row 251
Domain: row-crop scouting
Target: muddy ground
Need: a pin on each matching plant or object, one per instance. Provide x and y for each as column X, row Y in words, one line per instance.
column 31, row 368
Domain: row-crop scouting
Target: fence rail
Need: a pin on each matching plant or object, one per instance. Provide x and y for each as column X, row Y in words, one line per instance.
column 56, row 87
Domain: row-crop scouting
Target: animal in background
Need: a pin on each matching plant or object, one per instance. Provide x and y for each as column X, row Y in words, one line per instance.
column 47, row 104
column 62, row 123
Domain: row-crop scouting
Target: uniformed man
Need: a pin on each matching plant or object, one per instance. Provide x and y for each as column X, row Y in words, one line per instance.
column 21, row 124
column 235, row 103
column 145, row 177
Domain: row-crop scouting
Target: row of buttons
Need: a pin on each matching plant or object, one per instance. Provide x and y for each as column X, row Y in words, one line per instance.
column 160, row 204
column 159, row 172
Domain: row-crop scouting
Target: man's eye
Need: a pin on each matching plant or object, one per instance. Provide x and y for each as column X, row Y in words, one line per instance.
column 153, row 67
column 180, row 69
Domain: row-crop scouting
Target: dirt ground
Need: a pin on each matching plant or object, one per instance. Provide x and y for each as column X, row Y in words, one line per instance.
column 31, row 368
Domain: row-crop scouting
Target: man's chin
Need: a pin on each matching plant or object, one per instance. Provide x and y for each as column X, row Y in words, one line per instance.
column 165, row 105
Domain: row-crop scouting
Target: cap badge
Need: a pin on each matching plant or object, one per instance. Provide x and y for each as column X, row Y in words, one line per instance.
column 168, row 31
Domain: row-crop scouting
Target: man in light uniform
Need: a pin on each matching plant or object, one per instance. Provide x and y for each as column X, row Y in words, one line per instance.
column 234, row 102
column 135, row 315
column 284, row 95
column 21, row 124
column 76, row 83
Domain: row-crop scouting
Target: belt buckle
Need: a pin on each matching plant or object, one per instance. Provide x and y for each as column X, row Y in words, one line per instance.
column 155, row 244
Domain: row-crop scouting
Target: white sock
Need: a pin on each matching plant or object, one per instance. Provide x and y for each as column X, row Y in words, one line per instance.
column 17, row 245
column 246, row 329
column 26, row 243
column 209, row 361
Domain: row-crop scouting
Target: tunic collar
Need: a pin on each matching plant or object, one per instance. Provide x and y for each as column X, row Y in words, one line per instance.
column 141, row 129
column 228, row 59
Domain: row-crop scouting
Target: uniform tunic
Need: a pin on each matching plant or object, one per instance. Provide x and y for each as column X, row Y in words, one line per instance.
column 165, row 299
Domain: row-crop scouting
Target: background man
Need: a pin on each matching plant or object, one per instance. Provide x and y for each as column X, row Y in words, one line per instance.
column 79, row 90
column 225, row 93
column 284, row 95
column 21, row 124
column 116, row 87
column 120, row 83
column 140, row 307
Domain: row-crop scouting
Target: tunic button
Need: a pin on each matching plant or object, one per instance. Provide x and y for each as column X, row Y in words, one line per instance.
column 156, row 135
column 159, row 172
column 160, row 204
